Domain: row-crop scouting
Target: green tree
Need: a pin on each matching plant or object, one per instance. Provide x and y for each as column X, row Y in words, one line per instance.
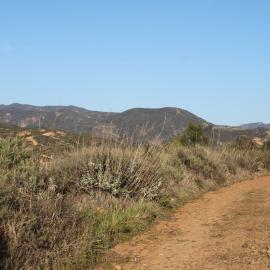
column 194, row 134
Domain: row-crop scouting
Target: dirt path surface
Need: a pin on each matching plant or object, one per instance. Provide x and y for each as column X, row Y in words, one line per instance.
column 224, row 229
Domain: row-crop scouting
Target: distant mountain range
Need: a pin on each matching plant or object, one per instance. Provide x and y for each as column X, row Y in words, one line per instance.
column 147, row 124
column 255, row 125
column 221, row 134
column 139, row 123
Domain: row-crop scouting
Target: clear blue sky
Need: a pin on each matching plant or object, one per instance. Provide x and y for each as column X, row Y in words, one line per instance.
column 210, row 57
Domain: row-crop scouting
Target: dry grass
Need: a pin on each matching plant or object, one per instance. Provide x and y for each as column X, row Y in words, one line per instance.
column 64, row 214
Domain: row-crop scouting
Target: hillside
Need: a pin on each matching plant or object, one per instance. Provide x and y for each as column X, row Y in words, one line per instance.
column 48, row 142
column 148, row 124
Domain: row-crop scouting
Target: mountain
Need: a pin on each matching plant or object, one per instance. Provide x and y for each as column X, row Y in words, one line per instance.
column 139, row 123
column 161, row 123
column 146, row 124
column 255, row 125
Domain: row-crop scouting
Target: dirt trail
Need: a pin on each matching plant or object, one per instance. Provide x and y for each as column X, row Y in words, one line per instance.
column 224, row 229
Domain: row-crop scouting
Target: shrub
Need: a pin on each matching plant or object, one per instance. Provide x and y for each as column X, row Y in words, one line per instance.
column 251, row 159
column 43, row 231
column 267, row 145
column 199, row 161
column 244, row 143
column 13, row 152
column 266, row 159
column 120, row 170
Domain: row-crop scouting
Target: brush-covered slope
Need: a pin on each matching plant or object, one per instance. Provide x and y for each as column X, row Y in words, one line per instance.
column 161, row 123
column 68, row 118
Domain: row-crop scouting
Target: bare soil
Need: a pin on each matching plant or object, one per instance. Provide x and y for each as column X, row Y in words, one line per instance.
column 224, row 229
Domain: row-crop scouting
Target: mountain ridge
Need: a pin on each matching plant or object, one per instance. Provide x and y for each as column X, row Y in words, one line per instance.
column 147, row 123
column 142, row 124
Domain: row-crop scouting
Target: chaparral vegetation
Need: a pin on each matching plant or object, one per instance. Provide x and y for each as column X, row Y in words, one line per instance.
column 66, row 211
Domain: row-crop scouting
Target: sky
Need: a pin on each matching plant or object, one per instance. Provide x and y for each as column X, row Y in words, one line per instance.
column 210, row 57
